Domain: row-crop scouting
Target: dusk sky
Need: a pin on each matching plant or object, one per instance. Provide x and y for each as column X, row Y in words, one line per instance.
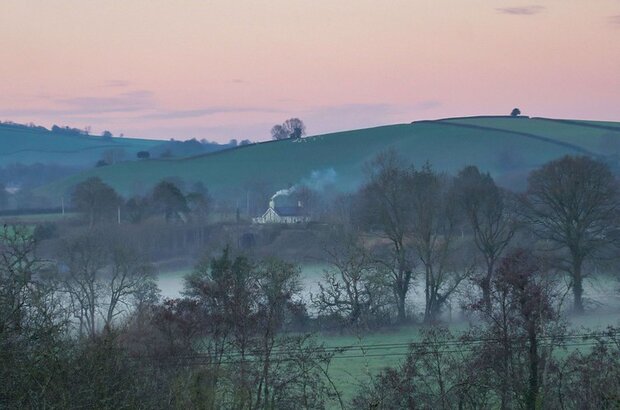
column 232, row 69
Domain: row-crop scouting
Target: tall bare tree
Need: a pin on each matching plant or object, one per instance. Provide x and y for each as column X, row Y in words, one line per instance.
column 434, row 219
column 488, row 215
column 573, row 203
column 385, row 207
column 84, row 258
column 128, row 279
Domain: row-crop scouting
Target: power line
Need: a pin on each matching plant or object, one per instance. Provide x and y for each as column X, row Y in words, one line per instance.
column 340, row 351
column 452, row 342
column 195, row 361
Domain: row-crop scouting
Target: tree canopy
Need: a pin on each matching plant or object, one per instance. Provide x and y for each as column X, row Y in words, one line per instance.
column 292, row 128
column 96, row 199
column 573, row 203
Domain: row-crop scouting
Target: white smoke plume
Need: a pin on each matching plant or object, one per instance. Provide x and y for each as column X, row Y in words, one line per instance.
column 317, row 181
column 284, row 192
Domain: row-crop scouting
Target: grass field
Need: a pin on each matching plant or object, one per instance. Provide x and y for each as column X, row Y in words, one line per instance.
column 508, row 148
column 583, row 134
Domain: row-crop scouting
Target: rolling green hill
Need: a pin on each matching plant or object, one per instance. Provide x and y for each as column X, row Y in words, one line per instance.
column 26, row 145
column 507, row 147
column 32, row 145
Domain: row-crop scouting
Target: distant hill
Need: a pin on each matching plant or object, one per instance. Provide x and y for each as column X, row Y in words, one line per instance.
column 29, row 145
column 181, row 149
column 509, row 148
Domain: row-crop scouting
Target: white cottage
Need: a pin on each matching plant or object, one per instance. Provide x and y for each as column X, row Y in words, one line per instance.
column 283, row 214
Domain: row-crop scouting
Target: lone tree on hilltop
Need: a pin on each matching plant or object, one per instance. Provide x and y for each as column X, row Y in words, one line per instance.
column 486, row 209
column 291, row 128
column 515, row 112
column 385, row 206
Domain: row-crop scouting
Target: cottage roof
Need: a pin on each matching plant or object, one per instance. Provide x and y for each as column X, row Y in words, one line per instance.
column 290, row 211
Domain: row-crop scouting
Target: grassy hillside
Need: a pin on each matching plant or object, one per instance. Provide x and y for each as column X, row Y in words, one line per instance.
column 34, row 145
column 507, row 147
column 31, row 145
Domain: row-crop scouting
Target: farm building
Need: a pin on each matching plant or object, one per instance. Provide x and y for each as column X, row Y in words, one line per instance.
column 283, row 214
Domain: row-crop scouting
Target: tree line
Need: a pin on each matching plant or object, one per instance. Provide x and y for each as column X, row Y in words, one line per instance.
column 101, row 204
column 446, row 231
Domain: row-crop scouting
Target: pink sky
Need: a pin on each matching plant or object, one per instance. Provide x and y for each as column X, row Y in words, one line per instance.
column 232, row 69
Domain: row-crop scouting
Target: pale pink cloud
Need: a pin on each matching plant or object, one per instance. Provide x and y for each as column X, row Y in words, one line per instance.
column 522, row 10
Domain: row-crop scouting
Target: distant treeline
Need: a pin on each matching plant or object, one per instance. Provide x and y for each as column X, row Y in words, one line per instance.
column 55, row 128
column 30, row 125
column 69, row 130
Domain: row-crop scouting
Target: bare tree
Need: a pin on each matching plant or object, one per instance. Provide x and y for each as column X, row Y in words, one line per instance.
column 434, row 221
column 486, row 211
column 84, row 258
column 385, row 207
column 573, row 203
column 295, row 128
column 352, row 287
column 291, row 128
column 278, row 132
column 103, row 278
column 129, row 278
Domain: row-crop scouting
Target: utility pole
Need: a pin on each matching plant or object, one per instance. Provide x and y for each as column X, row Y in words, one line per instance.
column 119, row 215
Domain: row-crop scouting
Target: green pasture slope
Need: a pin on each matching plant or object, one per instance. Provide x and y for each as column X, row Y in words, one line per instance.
column 32, row 145
column 506, row 147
